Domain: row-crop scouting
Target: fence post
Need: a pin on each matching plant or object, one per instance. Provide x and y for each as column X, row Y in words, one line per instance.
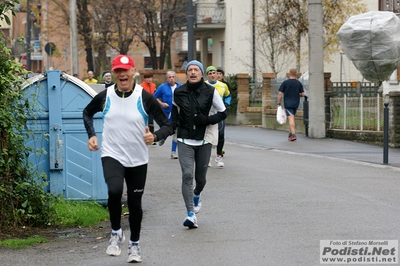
column 345, row 112
column 386, row 133
column 378, row 113
column 305, row 114
column 243, row 92
column 361, row 112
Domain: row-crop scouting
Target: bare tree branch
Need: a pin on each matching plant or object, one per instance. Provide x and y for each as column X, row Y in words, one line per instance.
column 286, row 26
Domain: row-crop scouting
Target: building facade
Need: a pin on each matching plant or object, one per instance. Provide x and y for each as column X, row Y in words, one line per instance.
column 226, row 38
column 223, row 30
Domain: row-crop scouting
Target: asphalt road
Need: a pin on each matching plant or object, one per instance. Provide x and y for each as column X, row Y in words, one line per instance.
column 271, row 205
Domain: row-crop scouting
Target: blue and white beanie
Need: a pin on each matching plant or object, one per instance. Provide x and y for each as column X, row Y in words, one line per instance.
column 197, row 63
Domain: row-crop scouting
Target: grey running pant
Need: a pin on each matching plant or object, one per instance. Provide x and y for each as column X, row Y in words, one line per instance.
column 193, row 160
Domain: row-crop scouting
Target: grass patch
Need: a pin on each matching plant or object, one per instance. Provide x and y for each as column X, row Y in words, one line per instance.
column 22, row 243
column 68, row 213
column 79, row 213
column 353, row 119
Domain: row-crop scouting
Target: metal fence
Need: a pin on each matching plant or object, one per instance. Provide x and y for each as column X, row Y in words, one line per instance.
column 354, row 89
column 275, row 84
column 357, row 113
column 255, row 94
column 356, row 106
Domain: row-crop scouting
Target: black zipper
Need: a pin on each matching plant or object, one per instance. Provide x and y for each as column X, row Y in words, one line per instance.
column 192, row 114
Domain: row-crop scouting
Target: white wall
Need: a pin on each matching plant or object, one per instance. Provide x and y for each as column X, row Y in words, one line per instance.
column 238, row 36
column 238, row 46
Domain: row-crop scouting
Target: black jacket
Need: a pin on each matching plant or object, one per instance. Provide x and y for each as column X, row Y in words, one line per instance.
column 192, row 100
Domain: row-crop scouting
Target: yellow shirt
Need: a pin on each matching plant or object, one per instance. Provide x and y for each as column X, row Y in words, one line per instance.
column 90, row 81
column 221, row 87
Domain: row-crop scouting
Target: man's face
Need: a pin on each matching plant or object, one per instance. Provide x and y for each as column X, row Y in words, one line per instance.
column 212, row 75
column 124, row 78
column 194, row 74
column 107, row 78
column 220, row 76
column 149, row 80
column 90, row 74
column 171, row 79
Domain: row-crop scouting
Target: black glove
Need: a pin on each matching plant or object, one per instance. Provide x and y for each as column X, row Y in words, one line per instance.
column 201, row 120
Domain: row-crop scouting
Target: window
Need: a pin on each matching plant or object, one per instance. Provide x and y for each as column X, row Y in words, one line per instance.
column 148, row 63
column 389, row 5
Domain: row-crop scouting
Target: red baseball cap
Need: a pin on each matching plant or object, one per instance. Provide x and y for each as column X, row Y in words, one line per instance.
column 122, row 61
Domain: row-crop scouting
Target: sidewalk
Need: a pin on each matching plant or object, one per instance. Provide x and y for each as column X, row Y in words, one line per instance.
column 341, row 149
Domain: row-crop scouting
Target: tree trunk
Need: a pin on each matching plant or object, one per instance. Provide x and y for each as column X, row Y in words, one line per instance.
column 168, row 63
column 102, row 62
column 85, row 30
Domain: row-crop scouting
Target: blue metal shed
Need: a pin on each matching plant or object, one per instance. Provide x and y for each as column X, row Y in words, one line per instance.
column 72, row 169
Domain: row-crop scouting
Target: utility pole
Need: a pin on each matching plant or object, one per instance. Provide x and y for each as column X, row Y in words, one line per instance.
column 28, row 35
column 316, row 70
column 253, row 10
column 74, row 38
column 190, row 29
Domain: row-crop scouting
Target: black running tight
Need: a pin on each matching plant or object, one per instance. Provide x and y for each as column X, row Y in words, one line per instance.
column 135, row 177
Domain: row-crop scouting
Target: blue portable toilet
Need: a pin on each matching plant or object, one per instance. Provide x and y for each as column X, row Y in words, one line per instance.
column 72, row 169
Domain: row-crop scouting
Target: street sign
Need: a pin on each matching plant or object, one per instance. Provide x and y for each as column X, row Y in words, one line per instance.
column 50, row 48
column 23, row 59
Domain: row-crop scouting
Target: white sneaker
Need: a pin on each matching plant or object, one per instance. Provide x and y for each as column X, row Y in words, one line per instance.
column 209, row 163
column 134, row 254
column 173, row 155
column 219, row 161
column 191, row 221
column 114, row 247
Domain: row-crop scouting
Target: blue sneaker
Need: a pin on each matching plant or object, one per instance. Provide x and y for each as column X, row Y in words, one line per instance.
column 114, row 246
column 197, row 203
column 191, row 221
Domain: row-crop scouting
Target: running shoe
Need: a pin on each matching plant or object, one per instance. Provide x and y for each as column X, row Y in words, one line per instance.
column 219, row 161
column 114, row 246
column 191, row 221
column 134, row 254
column 173, row 155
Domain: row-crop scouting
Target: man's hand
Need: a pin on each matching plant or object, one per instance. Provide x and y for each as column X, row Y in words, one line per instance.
column 93, row 143
column 201, row 120
column 163, row 105
column 148, row 137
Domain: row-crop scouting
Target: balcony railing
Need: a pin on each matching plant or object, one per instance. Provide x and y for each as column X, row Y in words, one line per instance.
column 204, row 14
column 209, row 13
